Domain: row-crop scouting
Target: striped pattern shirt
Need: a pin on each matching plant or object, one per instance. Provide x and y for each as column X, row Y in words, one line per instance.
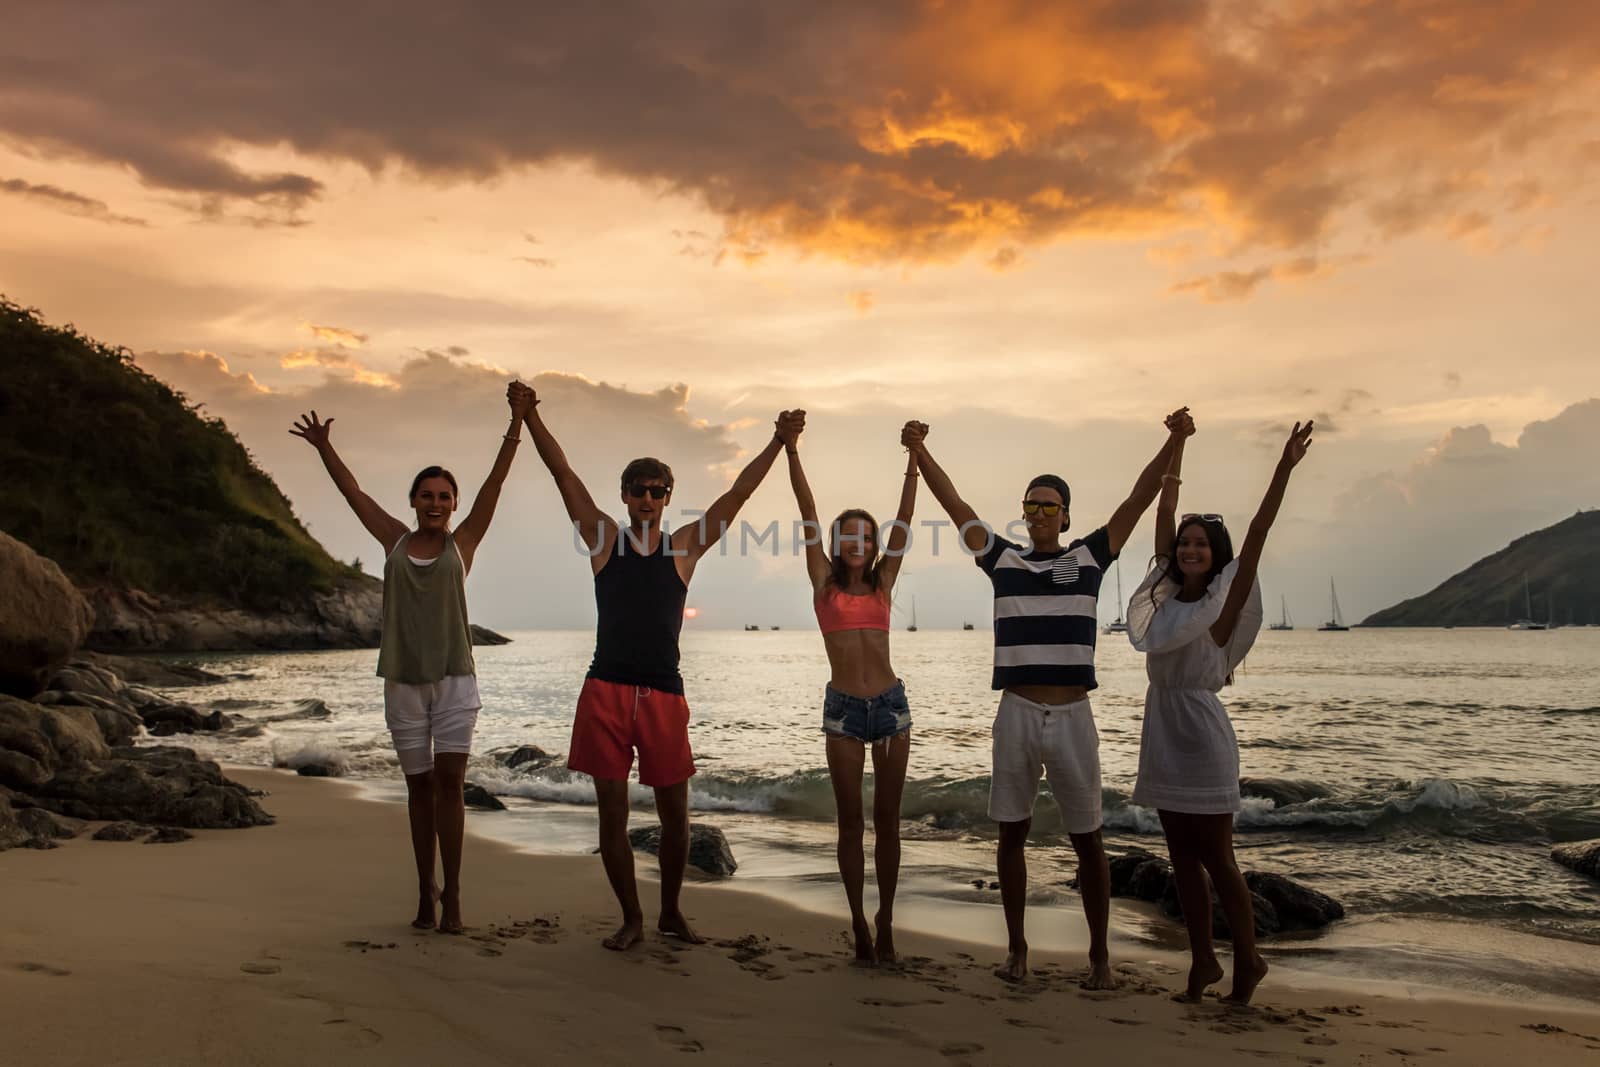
column 1045, row 610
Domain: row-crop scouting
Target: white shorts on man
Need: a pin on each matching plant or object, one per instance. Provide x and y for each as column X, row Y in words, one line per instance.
column 1058, row 740
column 432, row 717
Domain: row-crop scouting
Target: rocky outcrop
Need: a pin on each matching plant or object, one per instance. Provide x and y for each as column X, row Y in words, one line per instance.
column 708, row 847
column 128, row 620
column 121, row 831
column 162, row 785
column 350, row 616
column 1281, row 905
column 42, row 618
column 122, row 709
column 1581, row 856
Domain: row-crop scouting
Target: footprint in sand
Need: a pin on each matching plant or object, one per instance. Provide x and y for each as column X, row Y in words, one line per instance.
column 253, row 967
column 44, row 969
column 368, row 946
column 960, row 1049
column 676, row 1037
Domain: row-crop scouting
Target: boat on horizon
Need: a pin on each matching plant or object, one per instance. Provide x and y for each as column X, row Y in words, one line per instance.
column 1120, row 625
column 1527, row 621
column 1335, row 623
column 913, row 627
column 1286, row 623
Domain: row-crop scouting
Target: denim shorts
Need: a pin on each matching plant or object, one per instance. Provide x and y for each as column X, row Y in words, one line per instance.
column 868, row 719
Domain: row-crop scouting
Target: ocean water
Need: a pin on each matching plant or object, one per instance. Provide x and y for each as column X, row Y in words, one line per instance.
column 1430, row 772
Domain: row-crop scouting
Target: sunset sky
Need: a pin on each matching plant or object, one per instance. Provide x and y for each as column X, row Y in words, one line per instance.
column 1037, row 227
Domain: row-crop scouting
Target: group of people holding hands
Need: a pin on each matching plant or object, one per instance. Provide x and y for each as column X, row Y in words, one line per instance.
column 1195, row 616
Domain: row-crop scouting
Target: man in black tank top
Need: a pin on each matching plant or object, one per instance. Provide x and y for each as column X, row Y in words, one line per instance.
column 632, row 698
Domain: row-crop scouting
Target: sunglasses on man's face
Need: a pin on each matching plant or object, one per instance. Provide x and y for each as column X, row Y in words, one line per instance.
column 657, row 492
column 1041, row 507
column 1202, row 518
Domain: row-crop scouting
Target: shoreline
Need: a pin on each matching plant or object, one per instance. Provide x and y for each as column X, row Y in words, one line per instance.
column 273, row 945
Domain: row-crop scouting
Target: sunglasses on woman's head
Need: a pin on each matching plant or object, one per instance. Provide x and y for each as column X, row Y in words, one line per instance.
column 657, row 492
column 1036, row 507
column 1202, row 518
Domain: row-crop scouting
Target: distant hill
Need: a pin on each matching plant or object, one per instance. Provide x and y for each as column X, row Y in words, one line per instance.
column 1560, row 564
column 118, row 478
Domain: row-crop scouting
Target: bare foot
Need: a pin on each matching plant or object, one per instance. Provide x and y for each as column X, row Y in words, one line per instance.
column 1247, row 974
column 630, row 933
column 425, row 916
column 675, row 925
column 1201, row 975
column 1015, row 969
column 450, row 921
column 1100, row 976
column 883, row 946
column 866, row 953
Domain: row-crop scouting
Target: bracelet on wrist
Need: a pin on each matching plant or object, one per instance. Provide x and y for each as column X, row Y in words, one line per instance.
column 513, row 440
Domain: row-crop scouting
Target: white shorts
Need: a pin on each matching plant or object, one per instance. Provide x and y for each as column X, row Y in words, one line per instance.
column 1059, row 740
column 434, row 717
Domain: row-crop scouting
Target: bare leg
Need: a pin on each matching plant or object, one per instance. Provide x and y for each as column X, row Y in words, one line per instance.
column 1216, row 852
column 1011, row 859
column 672, row 808
column 1094, row 882
column 616, row 853
column 888, row 784
column 1194, row 894
column 449, row 820
column 847, row 758
column 419, row 805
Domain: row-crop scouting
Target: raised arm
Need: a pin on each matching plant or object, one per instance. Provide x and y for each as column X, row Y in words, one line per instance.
column 693, row 540
column 593, row 524
column 1126, row 517
column 1167, row 506
column 379, row 523
column 1294, row 450
column 895, row 545
column 473, row 528
column 817, row 567
column 973, row 532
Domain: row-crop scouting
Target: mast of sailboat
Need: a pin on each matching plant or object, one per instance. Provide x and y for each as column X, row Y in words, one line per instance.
column 1119, row 591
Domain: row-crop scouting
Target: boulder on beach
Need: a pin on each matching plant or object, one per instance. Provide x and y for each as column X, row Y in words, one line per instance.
column 121, row 831
column 43, row 618
column 12, row 833
column 708, row 847
column 169, row 835
column 163, row 785
column 147, row 670
column 1581, row 856
column 41, row 823
column 320, row 770
column 1281, row 904
column 476, row 796
column 119, row 724
column 37, row 741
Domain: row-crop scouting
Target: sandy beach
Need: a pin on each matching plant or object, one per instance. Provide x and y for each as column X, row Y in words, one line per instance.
column 288, row 944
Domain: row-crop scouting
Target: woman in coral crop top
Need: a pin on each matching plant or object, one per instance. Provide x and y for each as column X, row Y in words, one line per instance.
column 865, row 705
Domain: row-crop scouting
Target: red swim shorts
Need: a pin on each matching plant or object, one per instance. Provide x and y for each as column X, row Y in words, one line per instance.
column 614, row 719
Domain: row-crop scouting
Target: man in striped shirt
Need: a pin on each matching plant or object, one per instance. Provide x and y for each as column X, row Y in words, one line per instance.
column 1045, row 622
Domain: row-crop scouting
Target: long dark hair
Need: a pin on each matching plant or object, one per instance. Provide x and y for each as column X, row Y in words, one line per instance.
column 433, row 472
column 1221, row 543
column 840, row 575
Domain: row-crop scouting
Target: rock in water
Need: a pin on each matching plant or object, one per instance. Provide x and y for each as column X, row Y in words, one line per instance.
column 168, row 786
column 476, row 796
column 482, row 635
column 708, row 847
column 121, row 831
column 319, row 770
column 1581, row 856
column 1297, row 907
column 525, row 754
column 43, row 618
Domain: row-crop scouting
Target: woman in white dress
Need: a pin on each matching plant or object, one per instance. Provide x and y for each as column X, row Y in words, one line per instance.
column 1196, row 616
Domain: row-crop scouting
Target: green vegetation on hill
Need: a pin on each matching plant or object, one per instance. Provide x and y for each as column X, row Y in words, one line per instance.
column 118, row 478
column 1560, row 565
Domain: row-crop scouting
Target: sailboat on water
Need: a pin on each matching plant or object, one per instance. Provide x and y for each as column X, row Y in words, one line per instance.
column 1526, row 622
column 913, row 627
column 1120, row 626
column 1285, row 623
column 1335, row 623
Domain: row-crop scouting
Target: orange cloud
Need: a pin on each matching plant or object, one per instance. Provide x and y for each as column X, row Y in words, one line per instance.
column 336, row 335
column 347, row 365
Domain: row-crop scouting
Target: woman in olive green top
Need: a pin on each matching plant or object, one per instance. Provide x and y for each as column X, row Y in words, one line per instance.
column 430, row 688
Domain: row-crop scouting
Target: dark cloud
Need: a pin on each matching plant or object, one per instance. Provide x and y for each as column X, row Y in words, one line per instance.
column 67, row 200
column 877, row 132
column 535, row 261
